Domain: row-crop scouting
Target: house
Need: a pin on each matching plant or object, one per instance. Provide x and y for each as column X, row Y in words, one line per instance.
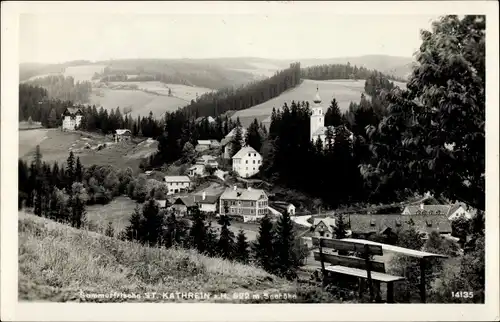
column 362, row 225
column 423, row 209
column 214, row 144
column 208, row 160
column 318, row 129
column 177, row 184
column 460, row 209
column 250, row 203
column 203, row 145
column 122, row 135
column 72, row 118
column 162, row 203
column 324, row 227
column 207, row 203
column 197, row 169
column 227, row 141
column 208, row 118
column 246, row 162
column 282, row 207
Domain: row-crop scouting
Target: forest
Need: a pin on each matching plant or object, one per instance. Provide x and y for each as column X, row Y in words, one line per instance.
column 341, row 71
column 60, row 87
column 234, row 99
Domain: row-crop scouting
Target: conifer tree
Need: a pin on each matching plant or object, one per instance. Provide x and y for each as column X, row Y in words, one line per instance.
column 134, row 229
column 225, row 244
column 152, row 224
column 340, row 229
column 38, row 181
column 242, row 253
column 211, row 240
column 236, row 142
column 70, row 170
column 253, row 136
column 110, row 231
column 78, row 170
column 263, row 247
column 286, row 263
column 198, row 231
column 333, row 117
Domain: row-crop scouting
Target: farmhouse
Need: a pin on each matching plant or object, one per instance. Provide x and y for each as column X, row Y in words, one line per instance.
column 227, row 144
column 72, row 118
column 177, row 184
column 181, row 204
column 208, row 160
column 458, row 210
column 317, row 121
column 246, row 162
column 324, row 227
column 214, row 144
column 207, row 203
column 249, row 203
column 365, row 225
column 122, row 135
column 197, row 169
column 203, row 145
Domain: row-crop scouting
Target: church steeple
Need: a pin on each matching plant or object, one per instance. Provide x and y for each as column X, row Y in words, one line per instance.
column 317, row 98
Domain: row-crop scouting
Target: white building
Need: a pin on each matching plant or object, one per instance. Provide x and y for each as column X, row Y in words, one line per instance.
column 207, row 203
column 317, row 121
column 208, row 160
column 246, row 162
column 177, row 184
column 122, row 135
column 324, row 227
column 203, row 145
column 250, row 203
column 72, row 118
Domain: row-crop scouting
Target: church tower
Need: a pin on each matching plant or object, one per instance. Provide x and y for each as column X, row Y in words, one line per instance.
column 317, row 117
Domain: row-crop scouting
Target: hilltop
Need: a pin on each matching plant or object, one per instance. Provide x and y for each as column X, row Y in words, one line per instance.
column 57, row 262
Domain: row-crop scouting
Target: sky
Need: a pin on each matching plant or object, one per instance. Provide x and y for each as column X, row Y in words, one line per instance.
column 57, row 38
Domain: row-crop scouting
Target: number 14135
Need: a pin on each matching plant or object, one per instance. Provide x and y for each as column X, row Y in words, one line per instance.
column 462, row 295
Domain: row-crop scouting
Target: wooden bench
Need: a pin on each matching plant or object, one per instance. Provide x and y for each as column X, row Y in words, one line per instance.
column 363, row 268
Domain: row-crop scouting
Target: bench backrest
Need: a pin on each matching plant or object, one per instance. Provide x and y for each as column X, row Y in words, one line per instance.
column 348, row 261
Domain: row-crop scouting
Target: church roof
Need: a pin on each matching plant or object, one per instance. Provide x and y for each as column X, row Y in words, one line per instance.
column 322, row 131
column 317, row 98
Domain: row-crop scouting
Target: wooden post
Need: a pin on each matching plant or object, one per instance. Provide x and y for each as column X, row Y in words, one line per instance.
column 321, row 260
column 360, row 287
column 390, row 292
column 422, row 280
column 368, row 271
column 378, row 299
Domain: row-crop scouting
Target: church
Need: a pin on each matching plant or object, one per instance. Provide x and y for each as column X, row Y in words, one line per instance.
column 317, row 121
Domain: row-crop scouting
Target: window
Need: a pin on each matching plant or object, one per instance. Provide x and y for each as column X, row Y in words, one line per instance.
column 429, row 223
column 258, row 161
column 246, row 161
column 253, row 161
column 251, row 211
column 372, row 222
column 255, row 154
column 246, row 168
column 249, row 154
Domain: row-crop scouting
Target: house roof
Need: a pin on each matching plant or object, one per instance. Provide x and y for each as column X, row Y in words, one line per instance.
column 72, row 110
column 123, row 131
column 204, row 142
column 243, row 194
column 207, row 158
column 177, row 179
column 329, row 222
column 429, row 209
column 193, row 200
column 244, row 151
column 161, row 203
column 209, row 199
column 378, row 223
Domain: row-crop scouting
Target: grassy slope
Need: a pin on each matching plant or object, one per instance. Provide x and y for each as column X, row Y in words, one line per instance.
column 57, row 261
column 344, row 91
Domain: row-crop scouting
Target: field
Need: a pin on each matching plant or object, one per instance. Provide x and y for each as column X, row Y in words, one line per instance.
column 55, row 146
column 58, row 263
column 83, row 72
column 344, row 91
column 150, row 96
column 118, row 212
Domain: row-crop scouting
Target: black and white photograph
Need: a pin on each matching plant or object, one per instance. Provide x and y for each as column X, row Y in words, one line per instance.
column 265, row 153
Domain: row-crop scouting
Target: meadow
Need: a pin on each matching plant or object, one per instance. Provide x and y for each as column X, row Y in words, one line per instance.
column 55, row 145
column 344, row 91
column 59, row 263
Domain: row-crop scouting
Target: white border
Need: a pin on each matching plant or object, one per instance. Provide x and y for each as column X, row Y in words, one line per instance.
column 12, row 310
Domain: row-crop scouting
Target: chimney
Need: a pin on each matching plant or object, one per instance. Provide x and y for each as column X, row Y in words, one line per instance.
column 422, row 206
column 234, row 188
column 249, row 188
column 204, row 195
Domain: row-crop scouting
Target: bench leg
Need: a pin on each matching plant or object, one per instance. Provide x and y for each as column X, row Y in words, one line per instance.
column 378, row 298
column 390, row 292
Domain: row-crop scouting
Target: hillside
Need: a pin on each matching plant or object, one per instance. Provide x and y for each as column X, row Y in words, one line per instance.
column 58, row 263
column 344, row 91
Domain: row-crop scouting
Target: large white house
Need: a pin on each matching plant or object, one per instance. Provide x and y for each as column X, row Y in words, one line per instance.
column 72, row 118
column 177, row 184
column 250, row 203
column 317, row 122
column 246, row 162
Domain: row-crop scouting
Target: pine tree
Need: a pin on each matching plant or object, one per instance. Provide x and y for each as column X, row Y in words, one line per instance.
column 286, row 263
column 38, row 181
column 333, row 117
column 134, row 229
column 340, row 229
column 225, row 245
column 70, row 170
column 78, row 170
column 241, row 253
column 263, row 247
column 153, row 222
column 211, row 240
column 198, row 231
column 253, row 136
column 236, row 142
column 78, row 200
